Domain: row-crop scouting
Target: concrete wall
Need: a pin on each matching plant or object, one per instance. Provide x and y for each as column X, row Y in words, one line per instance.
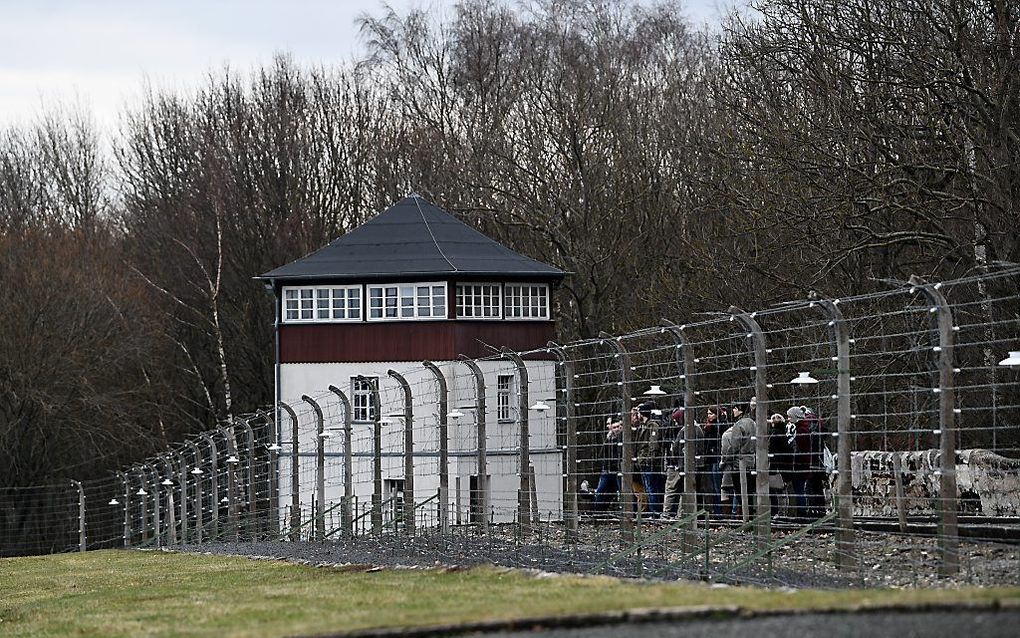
column 987, row 484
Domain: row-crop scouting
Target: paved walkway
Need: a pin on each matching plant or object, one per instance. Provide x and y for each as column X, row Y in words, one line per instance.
column 991, row 624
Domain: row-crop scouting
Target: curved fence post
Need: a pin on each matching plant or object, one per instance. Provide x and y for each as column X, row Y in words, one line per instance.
column 319, row 509
column 231, row 469
column 295, row 477
column 524, row 491
column 214, row 485
column 689, row 500
column 845, row 541
column 347, row 517
column 273, row 473
column 182, row 477
column 949, row 534
column 763, row 522
column 81, row 515
column 627, row 460
column 250, row 494
column 171, row 510
column 143, row 528
column 156, row 510
column 444, row 448
column 127, row 508
column 570, row 441
column 197, row 472
column 483, row 480
column 408, row 451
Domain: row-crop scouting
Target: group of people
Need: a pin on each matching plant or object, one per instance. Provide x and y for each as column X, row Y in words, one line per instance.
column 724, row 449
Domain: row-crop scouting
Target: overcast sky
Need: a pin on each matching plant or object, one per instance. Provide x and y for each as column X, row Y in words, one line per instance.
column 97, row 53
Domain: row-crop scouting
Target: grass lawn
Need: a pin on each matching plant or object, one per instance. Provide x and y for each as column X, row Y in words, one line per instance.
column 132, row 593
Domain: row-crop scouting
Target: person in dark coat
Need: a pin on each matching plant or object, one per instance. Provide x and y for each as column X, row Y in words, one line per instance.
column 609, row 466
column 647, row 455
column 780, row 460
column 715, row 425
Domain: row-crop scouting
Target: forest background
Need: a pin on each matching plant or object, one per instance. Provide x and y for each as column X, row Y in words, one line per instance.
column 801, row 145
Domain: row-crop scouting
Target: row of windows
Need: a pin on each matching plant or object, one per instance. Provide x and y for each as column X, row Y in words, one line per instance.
column 361, row 398
column 426, row 300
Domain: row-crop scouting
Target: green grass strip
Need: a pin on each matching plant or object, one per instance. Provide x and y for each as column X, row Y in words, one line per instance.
column 135, row 593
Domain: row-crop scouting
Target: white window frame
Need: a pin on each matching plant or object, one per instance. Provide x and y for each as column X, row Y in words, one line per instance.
column 498, row 297
column 361, row 401
column 312, row 295
column 509, row 308
column 504, row 397
column 418, row 311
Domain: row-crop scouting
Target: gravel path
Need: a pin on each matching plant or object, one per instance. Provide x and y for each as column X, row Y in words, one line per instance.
column 885, row 560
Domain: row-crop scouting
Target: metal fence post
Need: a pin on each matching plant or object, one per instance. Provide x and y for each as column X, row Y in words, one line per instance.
column 483, row 480
column 81, row 515
column 444, row 452
column 143, row 528
column 763, row 522
column 408, row 451
column 949, row 538
column 346, row 513
column 197, row 472
column 273, row 473
column 127, row 509
column 524, row 491
column 295, row 477
column 689, row 499
column 845, row 542
column 229, row 436
column 320, row 469
column 156, row 513
column 570, row 442
column 182, row 474
column 251, row 496
column 627, row 462
column 171, row 520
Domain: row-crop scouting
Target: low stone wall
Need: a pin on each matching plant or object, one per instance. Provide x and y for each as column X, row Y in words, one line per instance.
column 988, row 484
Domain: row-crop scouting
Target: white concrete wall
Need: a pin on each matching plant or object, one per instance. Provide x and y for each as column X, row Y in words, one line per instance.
column 502, row 438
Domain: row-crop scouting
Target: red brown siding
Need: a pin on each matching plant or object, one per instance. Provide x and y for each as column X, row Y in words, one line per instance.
column 407, row 340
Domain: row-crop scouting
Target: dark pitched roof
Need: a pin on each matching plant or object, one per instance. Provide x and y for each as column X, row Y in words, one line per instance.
column 416, row 238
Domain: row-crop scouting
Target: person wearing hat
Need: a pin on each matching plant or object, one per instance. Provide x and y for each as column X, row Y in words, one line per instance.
column 647, row 458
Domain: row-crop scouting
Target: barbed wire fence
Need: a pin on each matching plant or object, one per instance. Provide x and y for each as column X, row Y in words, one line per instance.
column 875, row 442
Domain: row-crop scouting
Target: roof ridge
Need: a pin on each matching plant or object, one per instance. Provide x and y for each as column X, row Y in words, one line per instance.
column 428, row 227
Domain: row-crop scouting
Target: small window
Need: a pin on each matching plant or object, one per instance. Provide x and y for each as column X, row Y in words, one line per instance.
column 290, row 304
column 504, row 393
column 306, row 302
column 322, row 303
column 478, row 301
column 407, row 301
column 526, row 301
column 361, row 399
